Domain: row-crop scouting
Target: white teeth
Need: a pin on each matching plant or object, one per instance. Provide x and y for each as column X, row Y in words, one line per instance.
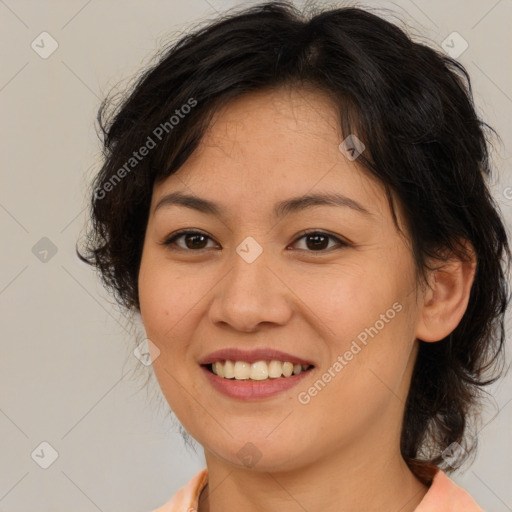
column 219, row 368
column 229, row 370
column 242, row 370
column 260, row 370
column 287, row 369
column 275, row 369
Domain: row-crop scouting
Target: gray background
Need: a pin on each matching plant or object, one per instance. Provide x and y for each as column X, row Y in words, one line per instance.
column 68, row 375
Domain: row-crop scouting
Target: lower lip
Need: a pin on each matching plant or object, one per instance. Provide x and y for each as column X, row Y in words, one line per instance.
column 253, row 389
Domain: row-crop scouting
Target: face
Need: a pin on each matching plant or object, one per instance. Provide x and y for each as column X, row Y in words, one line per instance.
column 340, row 297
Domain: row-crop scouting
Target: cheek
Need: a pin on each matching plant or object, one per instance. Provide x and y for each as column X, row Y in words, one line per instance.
column 366, row 314
column 166, row 305
column 166, row 296
column 348, row 297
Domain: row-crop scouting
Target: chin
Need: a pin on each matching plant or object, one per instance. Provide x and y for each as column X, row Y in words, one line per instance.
column 260, row 454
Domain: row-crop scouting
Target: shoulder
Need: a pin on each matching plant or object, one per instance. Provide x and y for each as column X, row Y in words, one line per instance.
column 186, row 498
column 445, row 495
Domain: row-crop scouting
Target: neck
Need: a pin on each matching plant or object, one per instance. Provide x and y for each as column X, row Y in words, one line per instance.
column 333, row 483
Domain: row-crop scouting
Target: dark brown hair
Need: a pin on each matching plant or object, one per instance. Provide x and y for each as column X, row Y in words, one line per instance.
column 413, row 108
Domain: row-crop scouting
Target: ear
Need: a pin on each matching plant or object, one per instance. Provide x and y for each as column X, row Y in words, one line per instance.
column 446, row 299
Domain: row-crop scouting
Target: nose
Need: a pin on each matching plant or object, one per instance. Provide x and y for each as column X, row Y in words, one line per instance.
column 251, row 294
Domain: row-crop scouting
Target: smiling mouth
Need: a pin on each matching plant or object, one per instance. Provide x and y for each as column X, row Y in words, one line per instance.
column 257, row 371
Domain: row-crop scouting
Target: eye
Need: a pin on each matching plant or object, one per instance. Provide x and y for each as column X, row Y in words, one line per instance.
column 316, row 240
column 194, row 240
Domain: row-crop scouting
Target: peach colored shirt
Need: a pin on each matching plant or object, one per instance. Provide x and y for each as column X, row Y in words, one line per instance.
column 443, row 496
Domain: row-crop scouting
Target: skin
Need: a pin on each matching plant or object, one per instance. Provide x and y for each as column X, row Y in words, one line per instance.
column 341, row 450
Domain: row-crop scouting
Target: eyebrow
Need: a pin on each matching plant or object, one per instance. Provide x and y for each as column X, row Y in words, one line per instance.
column 281, row 208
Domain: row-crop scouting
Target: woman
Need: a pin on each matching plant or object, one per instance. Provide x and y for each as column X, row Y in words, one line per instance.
column 298, row 210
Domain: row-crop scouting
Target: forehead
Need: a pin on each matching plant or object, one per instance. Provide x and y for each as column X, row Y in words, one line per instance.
column 273, row 144
column 305, row 118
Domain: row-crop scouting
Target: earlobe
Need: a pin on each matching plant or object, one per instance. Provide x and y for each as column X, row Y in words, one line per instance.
column 446, row 299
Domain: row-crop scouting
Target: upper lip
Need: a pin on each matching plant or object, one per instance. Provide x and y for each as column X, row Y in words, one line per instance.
column 251, row 356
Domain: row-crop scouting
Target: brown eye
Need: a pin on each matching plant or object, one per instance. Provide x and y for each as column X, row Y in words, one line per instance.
column 193, row 240
column 316, row 241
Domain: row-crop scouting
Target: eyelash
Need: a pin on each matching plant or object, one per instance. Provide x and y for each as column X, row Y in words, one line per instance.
column 170, row 240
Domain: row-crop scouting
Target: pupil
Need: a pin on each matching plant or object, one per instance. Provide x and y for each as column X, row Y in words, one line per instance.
column 194, row 237
column 316, row 243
